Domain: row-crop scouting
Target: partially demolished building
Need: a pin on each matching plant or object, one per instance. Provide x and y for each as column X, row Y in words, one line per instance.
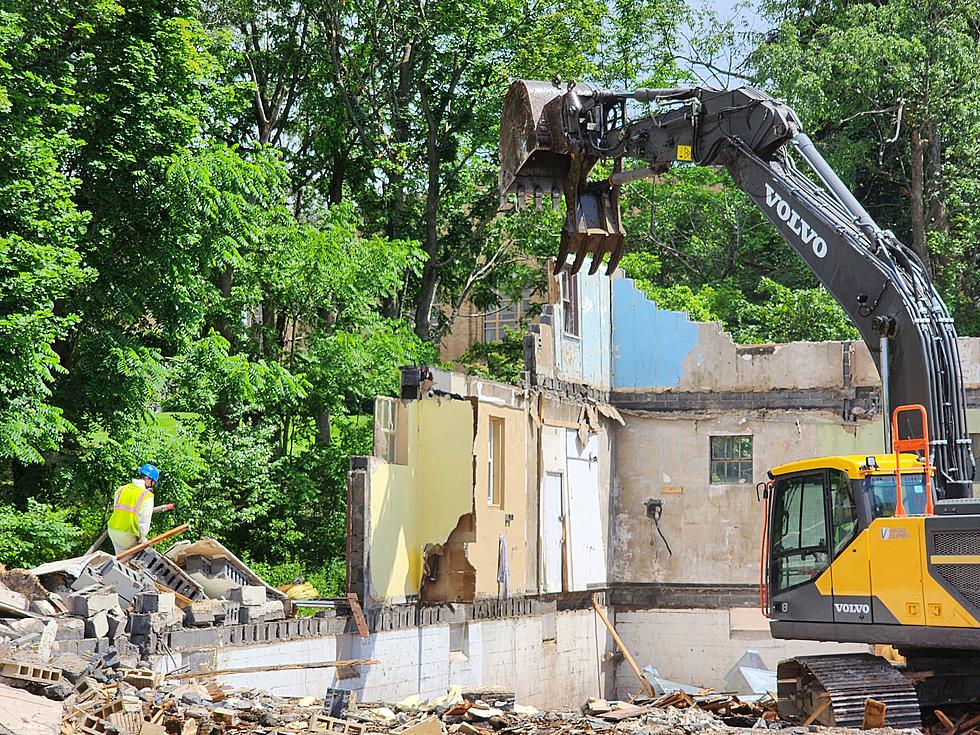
column 624, row 466
column 492, row 523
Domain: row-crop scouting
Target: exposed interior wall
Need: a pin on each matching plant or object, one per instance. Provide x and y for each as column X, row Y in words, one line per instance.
column 698, row 646
column 714, row 530
column 584, row 358
column 421, row 501
column 576, row 471
column 508, row 519
column 649, row 344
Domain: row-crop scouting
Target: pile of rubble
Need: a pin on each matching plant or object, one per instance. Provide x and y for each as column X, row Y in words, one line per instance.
column 79, row 633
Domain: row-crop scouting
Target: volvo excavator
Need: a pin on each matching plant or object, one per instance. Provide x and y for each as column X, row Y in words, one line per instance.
column 878, row 548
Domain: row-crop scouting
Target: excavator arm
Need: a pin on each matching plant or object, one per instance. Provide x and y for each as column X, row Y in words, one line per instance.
column 552, row 137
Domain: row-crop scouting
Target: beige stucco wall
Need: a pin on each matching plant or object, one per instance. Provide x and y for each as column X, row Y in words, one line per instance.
column 714, row 530
column 492, row 521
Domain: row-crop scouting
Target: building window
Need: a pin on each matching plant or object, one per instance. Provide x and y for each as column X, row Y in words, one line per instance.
column 731, row 459
column 568, row 283
column 510, row 315
column 387, row 434
column 495, row 462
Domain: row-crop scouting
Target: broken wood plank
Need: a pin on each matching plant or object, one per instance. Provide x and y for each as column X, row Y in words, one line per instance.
column 615, row 715
column 874, row 714
column 945, row 721
column 155, row 540
column 358, row 613
column 622, row 647
column 281, row 667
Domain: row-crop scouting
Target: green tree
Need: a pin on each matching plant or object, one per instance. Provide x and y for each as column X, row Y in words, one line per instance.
column 890, row 92
column 40, row 225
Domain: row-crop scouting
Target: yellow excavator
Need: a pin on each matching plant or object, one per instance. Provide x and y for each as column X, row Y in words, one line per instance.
column 877, row 549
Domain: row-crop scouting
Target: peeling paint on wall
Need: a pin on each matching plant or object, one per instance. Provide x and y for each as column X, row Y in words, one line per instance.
column 649, row 343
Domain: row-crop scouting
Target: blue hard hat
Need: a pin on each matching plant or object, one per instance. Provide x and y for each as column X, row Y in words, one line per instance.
column 150, row 471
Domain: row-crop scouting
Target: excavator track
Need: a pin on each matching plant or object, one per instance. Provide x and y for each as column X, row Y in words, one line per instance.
column 804, row 685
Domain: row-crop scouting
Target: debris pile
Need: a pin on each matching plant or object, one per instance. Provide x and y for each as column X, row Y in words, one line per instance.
column 79, row 634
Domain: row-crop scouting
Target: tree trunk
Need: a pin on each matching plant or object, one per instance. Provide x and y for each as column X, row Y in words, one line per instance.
column 917, row 194
column 323, row 429
column 225, row 280
column 430, row 274
column 335, row 193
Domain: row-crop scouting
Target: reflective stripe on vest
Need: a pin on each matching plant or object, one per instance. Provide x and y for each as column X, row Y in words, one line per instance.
column 126, row 508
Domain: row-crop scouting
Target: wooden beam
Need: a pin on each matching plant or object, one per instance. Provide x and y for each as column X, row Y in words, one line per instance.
column 358, row 613
column 155, row 540
column 263, row 669
column 622, row 647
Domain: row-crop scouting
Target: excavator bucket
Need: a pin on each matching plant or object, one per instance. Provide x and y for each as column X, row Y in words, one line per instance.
column 537, row 162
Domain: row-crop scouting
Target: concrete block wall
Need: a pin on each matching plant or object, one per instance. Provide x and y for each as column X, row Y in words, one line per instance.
column 699, row 646
column 508, row 652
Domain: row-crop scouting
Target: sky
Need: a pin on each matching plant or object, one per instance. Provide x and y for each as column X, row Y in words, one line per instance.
column 745, row 18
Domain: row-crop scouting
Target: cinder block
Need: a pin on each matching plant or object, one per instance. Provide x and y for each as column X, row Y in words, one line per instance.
column 249, row 594
column 266, row 612
column 70, row 629
column 117, row 621
column 127, row 582
column 204, row 612
column 97, row 626
column 156, row 623
column 233, row 612
column 88, row 578
column 89, row 602
column 154, row 601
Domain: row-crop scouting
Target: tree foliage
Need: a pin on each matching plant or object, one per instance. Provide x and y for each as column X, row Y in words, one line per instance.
column 225, row 224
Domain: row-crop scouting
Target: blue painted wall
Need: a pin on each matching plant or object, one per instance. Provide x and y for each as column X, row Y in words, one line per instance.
column 649, row 344
column 585, row 359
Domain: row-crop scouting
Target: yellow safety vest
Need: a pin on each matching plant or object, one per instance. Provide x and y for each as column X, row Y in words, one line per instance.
column 126, row 509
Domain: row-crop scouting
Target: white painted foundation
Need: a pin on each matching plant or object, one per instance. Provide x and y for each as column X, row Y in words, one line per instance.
column 509, row 652
column 698, row 646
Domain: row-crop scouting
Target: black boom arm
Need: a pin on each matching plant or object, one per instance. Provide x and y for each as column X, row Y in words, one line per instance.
column 551, row 139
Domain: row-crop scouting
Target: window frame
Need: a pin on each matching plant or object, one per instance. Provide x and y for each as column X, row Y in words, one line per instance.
column 492, row 321
column 496, row 433
column 568, row 293
column 801, row 552
column 733, row 460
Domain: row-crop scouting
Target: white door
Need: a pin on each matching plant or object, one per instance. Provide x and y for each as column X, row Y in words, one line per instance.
column 552, row 552
column 587, row 544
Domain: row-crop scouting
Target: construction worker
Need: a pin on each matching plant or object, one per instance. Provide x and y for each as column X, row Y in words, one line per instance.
column 132, row 510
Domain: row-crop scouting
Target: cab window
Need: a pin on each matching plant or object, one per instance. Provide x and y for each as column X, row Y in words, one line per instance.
column 881, row 490
column 843, row 510
column 799, row 535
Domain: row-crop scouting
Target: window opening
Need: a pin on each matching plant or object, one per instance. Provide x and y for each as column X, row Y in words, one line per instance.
column 568, row 283
column 799, row 544
column 843, row 519
column 495, row 462
column 881, row 490
column 731, row 460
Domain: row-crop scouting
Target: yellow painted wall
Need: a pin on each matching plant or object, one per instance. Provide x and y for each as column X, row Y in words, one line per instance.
column 864, row 438
column 490, row 520
column 421, row 501
column 396, row 564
